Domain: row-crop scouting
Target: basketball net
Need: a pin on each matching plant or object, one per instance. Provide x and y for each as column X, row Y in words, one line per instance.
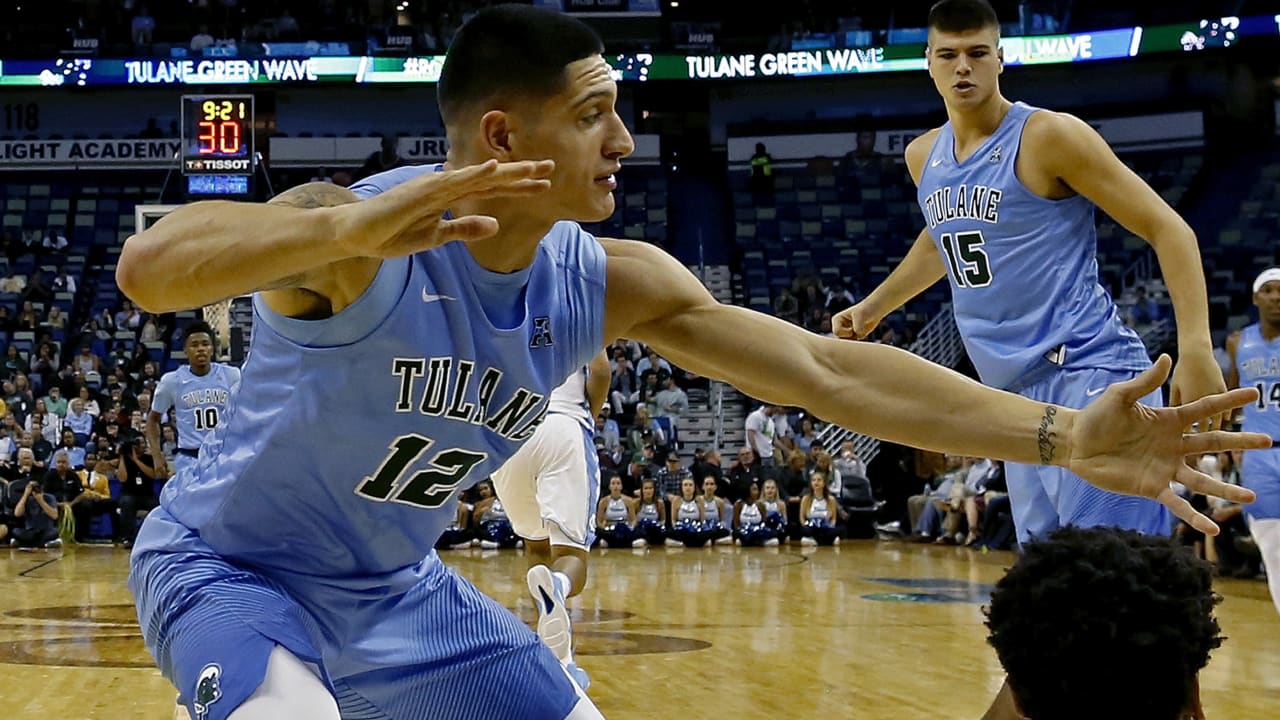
column 218, row 315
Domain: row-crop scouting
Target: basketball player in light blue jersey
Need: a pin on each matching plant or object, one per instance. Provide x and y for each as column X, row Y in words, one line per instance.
column 1255, row 362
column 197, row 392
column 551, row 486
column 1008, row 192
column 401, row 354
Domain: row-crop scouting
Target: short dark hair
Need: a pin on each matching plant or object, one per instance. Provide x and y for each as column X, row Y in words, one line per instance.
column 957, row 16
column 511, row 49
column 1104, row 613
column 197, row 327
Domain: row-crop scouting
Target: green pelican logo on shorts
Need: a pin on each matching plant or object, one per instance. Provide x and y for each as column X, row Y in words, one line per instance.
column 208, row 689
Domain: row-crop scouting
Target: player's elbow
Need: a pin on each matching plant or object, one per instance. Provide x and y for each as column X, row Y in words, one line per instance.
column 131, row 276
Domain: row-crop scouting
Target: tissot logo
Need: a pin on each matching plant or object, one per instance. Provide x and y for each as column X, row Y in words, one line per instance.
column 218, row 164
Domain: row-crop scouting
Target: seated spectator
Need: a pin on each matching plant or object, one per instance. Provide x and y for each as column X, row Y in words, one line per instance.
column 804, row 439
column 708, row 463
column 142, row 26
column 64, row 282
column 793, row 480
column 79, row 421
column 671, row 478
column 202, row 39
column 84, row 503
column 87, row 362
column 1232, row 562
column 744, row 472
column 55, row 241
column 1043, row 628
column 75, row 453
column 13, row 364
column 35, row 514
column 749, row 528
column 786, row 306
column 651, row 514
column 643, row 424
column 818, row 513
column 1145, row 310
column 36, row 291
column 493, row 527
column 715, row 514
column 616, row 518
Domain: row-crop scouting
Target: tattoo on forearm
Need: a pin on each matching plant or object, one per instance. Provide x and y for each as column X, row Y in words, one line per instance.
column 1047, row 438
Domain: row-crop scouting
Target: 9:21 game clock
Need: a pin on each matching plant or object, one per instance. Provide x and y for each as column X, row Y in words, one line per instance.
column 217, row 135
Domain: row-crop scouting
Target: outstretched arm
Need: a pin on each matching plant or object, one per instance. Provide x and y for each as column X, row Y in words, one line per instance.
column 209, row 251
column 888, row 393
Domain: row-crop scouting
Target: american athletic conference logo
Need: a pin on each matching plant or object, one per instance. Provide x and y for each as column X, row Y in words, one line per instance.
column 541, row 333
column 208, row 689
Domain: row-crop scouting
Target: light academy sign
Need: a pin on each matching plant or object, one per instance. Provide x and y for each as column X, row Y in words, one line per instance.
column 54, row 154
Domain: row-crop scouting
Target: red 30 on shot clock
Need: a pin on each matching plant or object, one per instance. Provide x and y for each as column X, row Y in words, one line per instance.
column 217, row 135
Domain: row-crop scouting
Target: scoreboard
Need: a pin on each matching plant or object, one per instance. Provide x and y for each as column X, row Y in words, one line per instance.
column 217, row 135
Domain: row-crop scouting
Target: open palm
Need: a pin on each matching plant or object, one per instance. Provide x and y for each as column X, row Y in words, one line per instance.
column 1125, row 447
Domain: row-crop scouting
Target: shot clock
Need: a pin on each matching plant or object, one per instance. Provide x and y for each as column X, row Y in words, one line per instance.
column 217, row 135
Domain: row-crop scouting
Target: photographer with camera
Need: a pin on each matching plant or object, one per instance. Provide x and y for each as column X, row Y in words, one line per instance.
column 36, row 518
column 136, row 472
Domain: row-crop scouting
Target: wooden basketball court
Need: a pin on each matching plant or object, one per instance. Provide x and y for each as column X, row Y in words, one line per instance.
column 865, row 630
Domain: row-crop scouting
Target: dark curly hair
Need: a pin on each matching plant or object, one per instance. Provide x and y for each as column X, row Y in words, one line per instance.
column 1104, row 623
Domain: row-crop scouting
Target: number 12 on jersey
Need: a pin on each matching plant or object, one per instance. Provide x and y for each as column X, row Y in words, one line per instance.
column 968, row 262
column 427, row 488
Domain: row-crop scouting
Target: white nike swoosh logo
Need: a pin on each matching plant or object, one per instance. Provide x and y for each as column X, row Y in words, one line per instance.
column 935, row 163
column 1094, row 392
column 428, row 297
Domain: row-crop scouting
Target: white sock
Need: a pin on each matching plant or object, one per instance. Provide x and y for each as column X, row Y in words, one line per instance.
column 1266, row 533
column 562, row 582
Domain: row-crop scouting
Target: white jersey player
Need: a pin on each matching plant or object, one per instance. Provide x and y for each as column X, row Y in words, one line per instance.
column 551, row 487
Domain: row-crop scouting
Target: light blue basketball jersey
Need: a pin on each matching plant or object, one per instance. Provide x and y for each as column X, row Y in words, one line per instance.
column 1258, row 364
column 199, row 402
column 1023, row 268
column 343, row 453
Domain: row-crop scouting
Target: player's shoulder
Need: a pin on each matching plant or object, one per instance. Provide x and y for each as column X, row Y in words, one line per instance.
column 1054, row 127
column 387, row 179
column 917, row 152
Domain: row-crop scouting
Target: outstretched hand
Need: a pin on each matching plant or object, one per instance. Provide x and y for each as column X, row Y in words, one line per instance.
column 409, row 218
column 1125, row 447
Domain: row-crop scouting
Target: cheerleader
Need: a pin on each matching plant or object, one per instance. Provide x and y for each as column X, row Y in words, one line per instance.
column 458, row 535
column 818, row 512
column 715, row 513
column 616, row 518
column 775, row 509
column 748, row 521
column 490, row 518
column 687, row 509
column 651, row 515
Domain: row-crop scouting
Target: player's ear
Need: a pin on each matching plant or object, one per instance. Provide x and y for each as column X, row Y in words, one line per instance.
column 1000, row 60
column 495, row 134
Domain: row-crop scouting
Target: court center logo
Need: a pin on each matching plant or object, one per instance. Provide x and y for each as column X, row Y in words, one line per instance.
column 208, row 689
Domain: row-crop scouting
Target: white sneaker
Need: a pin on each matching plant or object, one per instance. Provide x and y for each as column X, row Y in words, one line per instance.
column 553, row 617
column 836, row 541
column 639, row 543
column 808, row 541
column 488, row 545
column 604, row 543
column 771, row 542
column 672, row 542
column 726, row 540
